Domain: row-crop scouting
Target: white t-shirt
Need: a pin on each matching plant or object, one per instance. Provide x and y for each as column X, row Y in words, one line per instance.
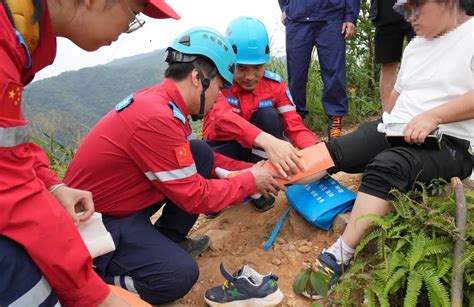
column 432, row 73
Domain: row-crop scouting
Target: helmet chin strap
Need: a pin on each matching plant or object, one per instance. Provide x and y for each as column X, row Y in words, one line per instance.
column 205, row 81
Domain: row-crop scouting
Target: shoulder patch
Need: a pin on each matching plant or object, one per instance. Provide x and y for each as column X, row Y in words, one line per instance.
column 177, row 112
column 232, row 101
column 124, row 103
column 265, row 104
column 272, row 76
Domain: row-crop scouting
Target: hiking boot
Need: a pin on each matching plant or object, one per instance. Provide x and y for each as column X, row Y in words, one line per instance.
column 334, row 127
column 327, row 264
column 195, row 246
column 263, row 204
column 245, row 287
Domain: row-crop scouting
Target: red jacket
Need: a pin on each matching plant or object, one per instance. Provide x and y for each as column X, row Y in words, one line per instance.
column 29, row 214
column 140, row 154
column 15, row 74
column 229, row 118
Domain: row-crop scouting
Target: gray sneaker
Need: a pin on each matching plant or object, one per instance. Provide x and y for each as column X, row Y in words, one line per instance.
column 195, row 246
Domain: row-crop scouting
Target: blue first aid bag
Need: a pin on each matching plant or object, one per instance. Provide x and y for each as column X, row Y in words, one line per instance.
column 319, row 202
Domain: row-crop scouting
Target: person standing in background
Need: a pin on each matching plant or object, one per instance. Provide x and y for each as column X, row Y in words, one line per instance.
column 326, row 24
column 390, row 33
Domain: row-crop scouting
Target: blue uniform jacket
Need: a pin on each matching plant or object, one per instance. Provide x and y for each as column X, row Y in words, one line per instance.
column 321, row 10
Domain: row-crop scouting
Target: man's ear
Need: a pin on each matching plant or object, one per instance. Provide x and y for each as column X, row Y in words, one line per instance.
column 196, row 80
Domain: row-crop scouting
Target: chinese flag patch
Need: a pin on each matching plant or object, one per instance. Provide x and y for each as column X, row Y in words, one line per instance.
column 184, row 155
column 10, row 105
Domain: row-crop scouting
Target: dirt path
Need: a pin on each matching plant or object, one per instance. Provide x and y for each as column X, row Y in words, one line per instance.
column 238, row 235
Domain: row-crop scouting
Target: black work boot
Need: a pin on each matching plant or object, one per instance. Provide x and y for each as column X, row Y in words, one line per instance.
column 195, row 246
column 263, row 204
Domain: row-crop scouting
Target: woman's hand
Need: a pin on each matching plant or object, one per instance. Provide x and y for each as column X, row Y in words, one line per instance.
column 419, row 127
column 75, row 201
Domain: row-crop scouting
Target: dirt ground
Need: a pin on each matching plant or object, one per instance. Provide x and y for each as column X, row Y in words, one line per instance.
column 239, row 233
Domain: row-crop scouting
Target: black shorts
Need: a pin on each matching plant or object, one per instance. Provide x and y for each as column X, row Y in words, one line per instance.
column 389, row 41
column 385, row 168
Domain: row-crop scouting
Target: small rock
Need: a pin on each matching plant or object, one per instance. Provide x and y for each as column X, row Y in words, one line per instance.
column 276, row 261
column 304, row 249
column 280, row 241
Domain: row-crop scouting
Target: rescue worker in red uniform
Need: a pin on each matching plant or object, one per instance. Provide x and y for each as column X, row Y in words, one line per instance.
column 249, row 120
column 142, row 155
column 37, row 236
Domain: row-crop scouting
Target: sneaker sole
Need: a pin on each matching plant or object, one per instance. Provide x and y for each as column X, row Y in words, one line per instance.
column 270, row 300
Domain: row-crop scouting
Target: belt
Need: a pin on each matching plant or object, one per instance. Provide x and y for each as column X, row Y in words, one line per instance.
column 13, row 136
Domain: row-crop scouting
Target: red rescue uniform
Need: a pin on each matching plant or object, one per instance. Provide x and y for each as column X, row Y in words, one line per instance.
column 29, row 214
column 229, row 118
column 139, row 153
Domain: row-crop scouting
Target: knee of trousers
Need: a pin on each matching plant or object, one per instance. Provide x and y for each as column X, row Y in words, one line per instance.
column 269, row 120
column 395, row 168
column 203, row 155
column 175, row 284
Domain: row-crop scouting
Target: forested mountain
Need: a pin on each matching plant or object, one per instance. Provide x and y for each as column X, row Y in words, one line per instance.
column 74, row 101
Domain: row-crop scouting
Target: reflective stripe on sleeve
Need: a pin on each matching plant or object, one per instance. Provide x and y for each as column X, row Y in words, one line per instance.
column 10, row 137
column 260, row 153
column 175, row 174
column 35, row 296
column 285, row 109
column 236, row 110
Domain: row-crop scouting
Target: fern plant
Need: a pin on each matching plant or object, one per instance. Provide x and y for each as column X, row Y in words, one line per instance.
column 412, row 262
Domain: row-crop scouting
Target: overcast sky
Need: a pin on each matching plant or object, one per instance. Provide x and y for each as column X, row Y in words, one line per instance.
column 158, row 34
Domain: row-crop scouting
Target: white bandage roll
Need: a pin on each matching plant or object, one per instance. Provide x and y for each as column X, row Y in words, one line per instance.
column 96, row 237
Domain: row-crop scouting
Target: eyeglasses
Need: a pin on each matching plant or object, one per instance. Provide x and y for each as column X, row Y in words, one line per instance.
column 136, row 24
column 410, row 9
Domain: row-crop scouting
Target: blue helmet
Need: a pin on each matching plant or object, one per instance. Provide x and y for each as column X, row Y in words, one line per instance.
column 249, row 39
column 203, row 41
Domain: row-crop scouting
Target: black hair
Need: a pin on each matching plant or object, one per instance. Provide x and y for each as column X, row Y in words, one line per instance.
column 178, row 71
column 467, row 6
column 38, row 10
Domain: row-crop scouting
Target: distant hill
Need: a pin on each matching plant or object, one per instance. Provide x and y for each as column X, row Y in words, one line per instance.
column 78, row 99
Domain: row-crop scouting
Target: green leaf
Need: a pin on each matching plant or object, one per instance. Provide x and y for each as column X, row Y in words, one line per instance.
column 301, row 282
column 394, row 280
column 437, row 293
column 415, row 282
column 319, row 284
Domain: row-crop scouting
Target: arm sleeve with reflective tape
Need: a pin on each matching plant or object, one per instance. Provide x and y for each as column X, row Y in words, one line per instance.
column 295, row 130
column 152, row 147
column 13, row 60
